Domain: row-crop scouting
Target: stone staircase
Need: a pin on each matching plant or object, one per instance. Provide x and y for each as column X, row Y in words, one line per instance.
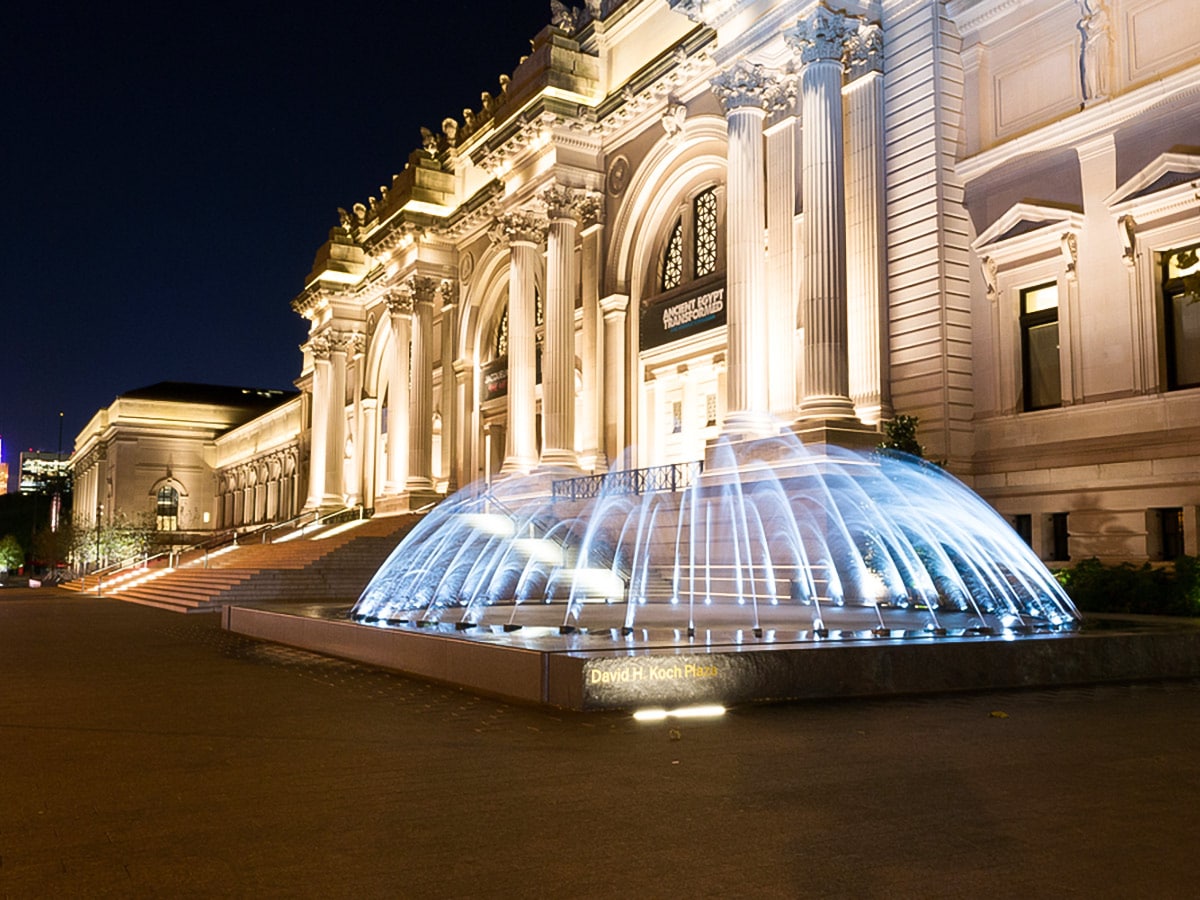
column 332, row 564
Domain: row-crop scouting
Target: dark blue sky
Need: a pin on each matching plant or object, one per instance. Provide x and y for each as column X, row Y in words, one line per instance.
column 169, row 171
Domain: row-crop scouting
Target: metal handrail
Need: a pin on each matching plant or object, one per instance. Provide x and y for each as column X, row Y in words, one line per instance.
column 654, row 479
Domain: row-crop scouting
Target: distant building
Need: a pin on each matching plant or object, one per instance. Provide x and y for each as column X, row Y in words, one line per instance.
column 151, row 456
column 3, row 470
column 43, row 472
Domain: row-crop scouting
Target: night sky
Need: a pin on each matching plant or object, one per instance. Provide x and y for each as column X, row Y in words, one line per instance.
column 170, row 170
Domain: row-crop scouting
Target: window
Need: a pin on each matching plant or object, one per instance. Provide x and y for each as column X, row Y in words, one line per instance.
column 1165, row 536
column 676, row 416
column 1023, row 525
column 710, row 410
column 704, row 211
column 1181, row 315
column 673, row 259
column 1059, row 538
column 1039, row 347
column 698, row 231
column 500, row 343
column 167, row 511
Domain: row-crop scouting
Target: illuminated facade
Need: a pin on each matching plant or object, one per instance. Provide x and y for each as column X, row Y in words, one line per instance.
column 153, row 456
column 681, row 218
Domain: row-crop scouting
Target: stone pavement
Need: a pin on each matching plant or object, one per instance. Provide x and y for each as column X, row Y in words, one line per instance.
column 145, row 753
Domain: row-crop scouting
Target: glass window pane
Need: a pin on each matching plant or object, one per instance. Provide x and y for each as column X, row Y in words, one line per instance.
column 1045, row 383
column 1185, row 334
column 1040, row 298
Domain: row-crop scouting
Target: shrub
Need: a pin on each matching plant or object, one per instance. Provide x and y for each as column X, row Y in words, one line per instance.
column 1145, row 590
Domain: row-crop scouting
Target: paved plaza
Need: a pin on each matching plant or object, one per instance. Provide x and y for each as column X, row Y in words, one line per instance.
column 147, row 753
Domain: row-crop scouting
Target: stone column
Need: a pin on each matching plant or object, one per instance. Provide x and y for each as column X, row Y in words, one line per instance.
column 420, row 423
column 558, row 361
column 450, row 412
column 354, row 441
column 400, row 308
column 782, row 155
column 335, row 445
column 820, row 40
column 591, row 216
column 524, row 233
column 866, row 238
column 368, row 445
column 613, row 307
column 319, row 347
column 744, row 91
column 466, row 470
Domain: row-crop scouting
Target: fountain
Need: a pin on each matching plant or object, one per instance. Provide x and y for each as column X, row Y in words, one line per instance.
column 772, row 542
column 780, row 571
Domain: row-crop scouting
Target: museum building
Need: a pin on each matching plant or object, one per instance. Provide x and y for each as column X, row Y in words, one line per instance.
column 676, row 219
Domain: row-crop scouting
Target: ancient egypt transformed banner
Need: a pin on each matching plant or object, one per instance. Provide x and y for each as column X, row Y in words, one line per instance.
column 680, row 317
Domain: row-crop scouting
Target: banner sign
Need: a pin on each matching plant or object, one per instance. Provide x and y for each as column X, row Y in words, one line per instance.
column 671, row 320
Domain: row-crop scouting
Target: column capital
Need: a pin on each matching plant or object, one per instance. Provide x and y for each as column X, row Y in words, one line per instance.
column 561, row 202
column 399, row 300
column 744, row 85
column 522, row 226
column 421, row 287
column 321, row 347
column 864, row 51
column 821, row 36
column 614, row 304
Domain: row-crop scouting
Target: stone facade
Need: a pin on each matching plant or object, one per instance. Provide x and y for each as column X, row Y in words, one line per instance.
column 676, row 217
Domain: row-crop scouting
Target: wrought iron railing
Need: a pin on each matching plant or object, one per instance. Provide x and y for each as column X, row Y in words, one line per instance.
column 655, row 479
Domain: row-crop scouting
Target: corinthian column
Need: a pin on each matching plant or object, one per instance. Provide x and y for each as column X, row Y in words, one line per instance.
column 320, row 349
column 420, row 424
column 820, row 40
column 591, row 217
column 865, row 239
column 744, row 91
column 400, row 307
column 524, row 233
column 558, row 362
column 335, row 444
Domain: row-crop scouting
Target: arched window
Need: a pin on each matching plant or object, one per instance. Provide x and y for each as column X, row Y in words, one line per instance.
column 698, row 231
column 167, row 512
column 672, row 275
column 704, row 215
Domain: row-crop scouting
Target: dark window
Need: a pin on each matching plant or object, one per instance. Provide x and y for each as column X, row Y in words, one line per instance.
column 167, row 508
column 1023, row 525
column 1168, row 522
column 1059, row 546
column 1181, row 315
column 1040, row 366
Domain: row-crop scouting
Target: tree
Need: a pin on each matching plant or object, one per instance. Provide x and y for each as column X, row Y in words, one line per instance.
column 902, row 436
column 11, row 554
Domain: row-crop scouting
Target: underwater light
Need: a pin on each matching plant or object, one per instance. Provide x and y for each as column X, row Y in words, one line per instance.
column 701, row 711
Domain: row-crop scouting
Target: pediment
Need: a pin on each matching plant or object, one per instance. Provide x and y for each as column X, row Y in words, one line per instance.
column 1169, row 174
column 1031, row 221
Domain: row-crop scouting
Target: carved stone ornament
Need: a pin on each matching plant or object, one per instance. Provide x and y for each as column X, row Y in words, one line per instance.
column 1128, row 239
column 466, row 266
column 590, row 209
column 1070, row 252
column 864, row 51
column 448, row 288
column 562, row 202
column 822, row 36
column 744, row 84
column 523, row 225
column 1096, row 53
column 320, row 347
column 673, row 118
column 399, row 301
column 991, row 284
column 421, row 287
column 706, row 12
column 618, row 176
